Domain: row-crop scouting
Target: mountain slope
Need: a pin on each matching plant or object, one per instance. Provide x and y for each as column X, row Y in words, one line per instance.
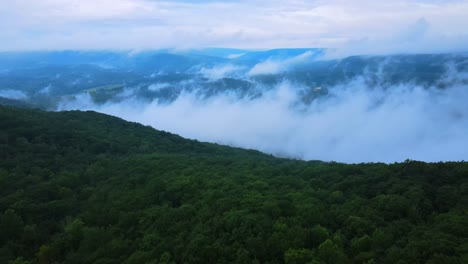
column 83, row 187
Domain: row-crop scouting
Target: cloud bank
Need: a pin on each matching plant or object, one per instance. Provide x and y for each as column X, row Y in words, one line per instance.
column 353, row 123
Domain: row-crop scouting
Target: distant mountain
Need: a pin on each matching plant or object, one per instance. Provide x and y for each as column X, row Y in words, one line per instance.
column 48, row 78
column 254, row 57
column 225, row 53
column 144, row 59
column 13, row 60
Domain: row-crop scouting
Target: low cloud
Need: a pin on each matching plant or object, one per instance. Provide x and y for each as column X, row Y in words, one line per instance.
column 235, row 56
column 45, row 90
column 13, row 94
column 219, row 72
column 273, row 66
column 353, row 123
column 158, row 86
column 267, row 67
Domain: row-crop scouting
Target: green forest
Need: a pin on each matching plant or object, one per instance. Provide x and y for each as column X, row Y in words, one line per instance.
column 83, row 187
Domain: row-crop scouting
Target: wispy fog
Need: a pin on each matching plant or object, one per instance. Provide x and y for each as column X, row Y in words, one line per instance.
column 354, row 122
column 272, row 66
column 218, row 72
column 12, row 94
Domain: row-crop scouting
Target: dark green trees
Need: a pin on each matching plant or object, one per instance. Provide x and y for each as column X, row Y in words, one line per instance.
column 81, row 187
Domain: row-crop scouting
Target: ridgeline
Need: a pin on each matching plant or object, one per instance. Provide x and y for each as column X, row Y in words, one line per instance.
column 84, row 187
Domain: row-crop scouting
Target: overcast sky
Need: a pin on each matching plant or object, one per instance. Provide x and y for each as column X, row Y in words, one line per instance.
column 353, row 26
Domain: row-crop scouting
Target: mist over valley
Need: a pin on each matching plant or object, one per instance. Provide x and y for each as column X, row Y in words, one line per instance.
column 287, row 102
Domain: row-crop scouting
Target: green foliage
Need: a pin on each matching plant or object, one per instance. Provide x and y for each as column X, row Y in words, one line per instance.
column 19, row 261
column 82, row 187
column 298, row 256
column 329, row 252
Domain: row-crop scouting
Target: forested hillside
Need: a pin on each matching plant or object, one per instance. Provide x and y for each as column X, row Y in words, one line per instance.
column 83, row 187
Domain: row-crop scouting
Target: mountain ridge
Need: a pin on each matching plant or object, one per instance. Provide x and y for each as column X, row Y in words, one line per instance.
column 71, row 195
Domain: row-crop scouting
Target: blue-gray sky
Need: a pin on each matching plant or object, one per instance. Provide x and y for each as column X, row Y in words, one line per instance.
column 353, row 26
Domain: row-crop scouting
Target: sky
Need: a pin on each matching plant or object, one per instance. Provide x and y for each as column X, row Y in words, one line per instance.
column 352, row 27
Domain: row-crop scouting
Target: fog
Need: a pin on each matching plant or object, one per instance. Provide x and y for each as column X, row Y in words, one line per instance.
column 218, row 72
column 12, row 94
column 354, row 123
column 271, row 66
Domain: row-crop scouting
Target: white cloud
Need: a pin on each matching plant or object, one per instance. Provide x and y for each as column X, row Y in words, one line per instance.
column 356, row 124
column 219, row 72
column 355, row 26
column 45, row 90
column 271, row 66
column 267, row 67
column 235, row 56
column 13, row 94
column 158, row 86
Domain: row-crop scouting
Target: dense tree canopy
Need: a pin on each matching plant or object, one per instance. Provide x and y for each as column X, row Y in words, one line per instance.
column 82, row 187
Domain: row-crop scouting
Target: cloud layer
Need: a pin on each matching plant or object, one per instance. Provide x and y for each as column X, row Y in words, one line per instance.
column 354, row 123
column 360, row 26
